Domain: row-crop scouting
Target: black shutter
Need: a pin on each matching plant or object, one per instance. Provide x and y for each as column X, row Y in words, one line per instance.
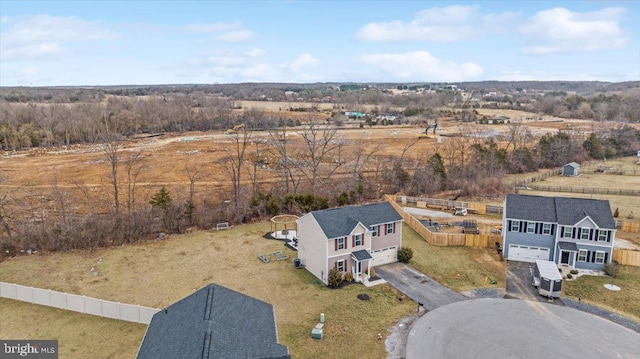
column 609, row 236
column 573, row 234
column 538, row 229
column 593, row 257
column 596, row 234
column 553, row 229
column 606, row 257
column 591, row 237
column 508, row 225
column 522, row 225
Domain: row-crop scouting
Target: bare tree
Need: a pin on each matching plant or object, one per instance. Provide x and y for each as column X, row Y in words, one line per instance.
column 278, row 140
column 235, row 160
column 134, row 165
column 110, row 150
column 320, row 142
column 193, row 172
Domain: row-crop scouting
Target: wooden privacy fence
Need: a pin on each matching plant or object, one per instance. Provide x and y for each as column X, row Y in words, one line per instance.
column 626, row 257
column 444, row 239
column 78, row 303
column 633, row 227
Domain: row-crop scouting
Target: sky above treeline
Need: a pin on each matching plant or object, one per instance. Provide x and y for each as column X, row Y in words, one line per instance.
column 88, row 43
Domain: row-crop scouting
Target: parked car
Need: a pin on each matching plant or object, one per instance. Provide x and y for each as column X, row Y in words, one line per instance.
column 460, row 212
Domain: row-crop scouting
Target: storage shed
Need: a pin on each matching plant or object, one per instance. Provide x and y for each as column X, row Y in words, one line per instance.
column 547, row 278
column 571, row 169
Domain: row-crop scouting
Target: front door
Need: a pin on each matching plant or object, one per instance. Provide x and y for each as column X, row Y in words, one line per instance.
column 564, row 258
column 358, row 268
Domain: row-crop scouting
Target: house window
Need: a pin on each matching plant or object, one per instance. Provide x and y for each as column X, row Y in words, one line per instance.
column 584, row 233
column 374, row 231
column 602, row 235
column 546, row 228
column 340, row 244
column 582, row 255
column 599, row 257
column 340, row 265
column 531, row 227
column 389, row 228
column 515, row 226
column 567, row 232
column 357, row 240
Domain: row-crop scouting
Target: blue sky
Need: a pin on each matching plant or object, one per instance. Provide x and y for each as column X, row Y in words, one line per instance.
column 56, row 43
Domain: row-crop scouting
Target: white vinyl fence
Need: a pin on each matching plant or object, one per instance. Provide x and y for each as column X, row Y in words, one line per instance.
column 78, row 303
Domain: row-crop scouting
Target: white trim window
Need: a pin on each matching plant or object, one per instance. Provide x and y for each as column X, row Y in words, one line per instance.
column 582, row 255
column 584, row 233
column 531, row 227
column 357, row 240
column 341, row 266
column 389, row 227
column 599, row 257
column 567, row 232
column 341, row 243
column 515, row 226
column 374, row 231
column 602, row 235
column 546, row 228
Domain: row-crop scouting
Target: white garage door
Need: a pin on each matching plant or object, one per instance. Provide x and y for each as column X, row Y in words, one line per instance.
column 527, row 253
column 384, row 256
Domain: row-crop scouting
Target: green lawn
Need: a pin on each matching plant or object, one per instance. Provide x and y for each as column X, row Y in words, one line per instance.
column 459, row 268
column 592, row 290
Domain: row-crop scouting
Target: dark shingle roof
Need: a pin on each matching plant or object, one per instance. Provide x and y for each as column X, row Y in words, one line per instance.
column 561, row 210
column 362, row 255
column 339, row 222
column 214, row 322
column 568, row 246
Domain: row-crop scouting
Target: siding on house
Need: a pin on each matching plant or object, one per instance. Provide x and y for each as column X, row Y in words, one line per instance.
column 312, row 246
column 384, row 240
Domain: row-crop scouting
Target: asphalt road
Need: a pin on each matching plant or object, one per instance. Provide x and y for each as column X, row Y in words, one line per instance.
column 504, row 328
column 418, row 286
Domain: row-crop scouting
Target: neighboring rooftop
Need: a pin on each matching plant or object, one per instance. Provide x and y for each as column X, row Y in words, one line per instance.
column 561, row 210
column 214, row 322
column 339, row 222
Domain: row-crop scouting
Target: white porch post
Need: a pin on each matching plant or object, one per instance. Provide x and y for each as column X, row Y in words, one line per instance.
column 369, row 268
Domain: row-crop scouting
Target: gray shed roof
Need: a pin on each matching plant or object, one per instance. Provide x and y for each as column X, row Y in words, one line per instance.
column 214, row 322
column 561, row 210
column 339, row 222
column 573, row 164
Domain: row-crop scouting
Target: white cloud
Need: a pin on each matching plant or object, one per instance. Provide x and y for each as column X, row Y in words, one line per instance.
column 41, row 35
column 439, row 24
column 4, row 19
column 552, row 76
column 421, row 66
column 214, row 27
column 235, row 36
column 223, row 31
column 253, row 65
column 561, row 30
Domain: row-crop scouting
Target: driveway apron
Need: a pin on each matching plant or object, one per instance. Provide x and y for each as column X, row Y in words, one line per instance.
column 418, row 286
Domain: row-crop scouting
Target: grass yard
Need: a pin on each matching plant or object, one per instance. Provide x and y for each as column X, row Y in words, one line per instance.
column 157, row 274
column 592, row 290
column 78, row 335
column 459, row 268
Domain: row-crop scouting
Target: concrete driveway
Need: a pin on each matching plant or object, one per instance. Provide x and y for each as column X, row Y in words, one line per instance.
column 502, row 328
column 520, row 282
column 418, row 286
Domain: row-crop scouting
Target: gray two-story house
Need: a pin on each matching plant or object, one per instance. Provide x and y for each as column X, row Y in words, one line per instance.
column 575, row 232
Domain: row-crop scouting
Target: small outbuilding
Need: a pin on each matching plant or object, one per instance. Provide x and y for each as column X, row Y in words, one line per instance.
column 571, row 169
column 547, row 278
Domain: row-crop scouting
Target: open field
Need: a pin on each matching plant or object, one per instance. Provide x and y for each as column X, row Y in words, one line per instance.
column 592, row 290
column 78, row 335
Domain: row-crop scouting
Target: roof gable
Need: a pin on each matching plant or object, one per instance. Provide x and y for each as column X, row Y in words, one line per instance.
column 216, row 319
column 561, row 210
column 340, row 222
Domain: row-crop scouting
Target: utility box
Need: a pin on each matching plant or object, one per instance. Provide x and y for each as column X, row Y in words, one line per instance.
column 547, row 278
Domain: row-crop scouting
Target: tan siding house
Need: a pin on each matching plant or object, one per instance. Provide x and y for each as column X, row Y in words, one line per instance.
column 349, row 239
